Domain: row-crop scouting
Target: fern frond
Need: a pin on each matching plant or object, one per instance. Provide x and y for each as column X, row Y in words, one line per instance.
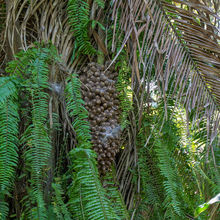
column 125, row 94
column 78, row 15
column 7, row 88
column 166, row 142
column 100, row 3
column 59, row 206
column 77, row 110
column 170, row 183
column 151, row 180
column 76, row 203
column 97, row 205
column 115, row 197
column 36, row 138
column 30, row 210
column 31, row 70
column 9, row 119
column 169, row 150
column 87, row 197
column 165, row 167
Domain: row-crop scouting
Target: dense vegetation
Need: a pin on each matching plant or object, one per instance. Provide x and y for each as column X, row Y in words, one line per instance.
column 158, row 132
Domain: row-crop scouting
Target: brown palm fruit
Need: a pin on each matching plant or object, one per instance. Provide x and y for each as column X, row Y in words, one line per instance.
column 98, row 110
column 105, row 105
column 111, row 159
column 108, row 154
column 102, row 84
column 102, row 108
column 100, row 96
column 106, row 83
column 111, row 90
column 107, row 97
column 96, row 74
column 93, row 68
column 108, row 163
column 83, row 78
column 89, row 73
column 93, row 78
column 110, row 104
column 84, row 69
column 102, row 99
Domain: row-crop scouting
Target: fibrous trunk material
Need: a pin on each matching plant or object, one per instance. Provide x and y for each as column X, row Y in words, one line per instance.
column 102, row 103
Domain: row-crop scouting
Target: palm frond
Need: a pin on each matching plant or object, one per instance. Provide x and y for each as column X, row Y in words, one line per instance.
column 161, row 50
column 197, row 26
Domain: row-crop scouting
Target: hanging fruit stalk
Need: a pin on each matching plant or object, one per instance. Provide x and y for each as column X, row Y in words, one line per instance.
column 102, row 103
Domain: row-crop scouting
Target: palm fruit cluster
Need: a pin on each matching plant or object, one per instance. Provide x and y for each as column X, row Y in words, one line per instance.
column 102, row 103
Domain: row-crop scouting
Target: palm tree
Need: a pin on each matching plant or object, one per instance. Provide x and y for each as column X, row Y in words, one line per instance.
column 109, row 109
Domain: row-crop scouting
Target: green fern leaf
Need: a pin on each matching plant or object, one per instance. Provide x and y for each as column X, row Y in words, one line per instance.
column 87, row 197
column 31, row 70
column 9, row 119
column 78, row 15
column 59, row 206
column 100, row 3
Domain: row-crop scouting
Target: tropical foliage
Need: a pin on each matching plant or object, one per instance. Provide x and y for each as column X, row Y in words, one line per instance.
column 166, row 55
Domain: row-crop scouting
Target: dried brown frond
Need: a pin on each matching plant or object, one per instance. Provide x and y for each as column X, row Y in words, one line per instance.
column 42, row 21
column 191, row 60
column 197, row 23
column 178, row 46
